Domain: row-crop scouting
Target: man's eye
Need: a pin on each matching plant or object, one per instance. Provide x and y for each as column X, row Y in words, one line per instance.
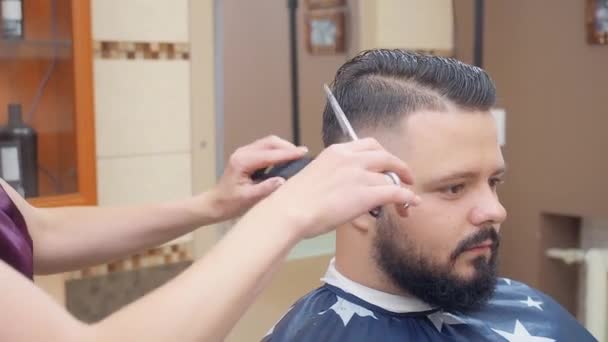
column 495, row 182
column 453, row 189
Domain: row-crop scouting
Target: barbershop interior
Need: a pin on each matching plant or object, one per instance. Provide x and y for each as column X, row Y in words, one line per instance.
column 127, row 103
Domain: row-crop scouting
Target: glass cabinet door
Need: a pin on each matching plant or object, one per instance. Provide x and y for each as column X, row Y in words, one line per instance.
column 46, row 109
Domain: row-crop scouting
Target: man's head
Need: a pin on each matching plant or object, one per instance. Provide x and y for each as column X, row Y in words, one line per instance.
column 433, row 113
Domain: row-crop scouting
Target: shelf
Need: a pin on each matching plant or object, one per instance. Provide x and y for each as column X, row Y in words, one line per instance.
column 59, row 200
column 10, row 49
column 55, row 31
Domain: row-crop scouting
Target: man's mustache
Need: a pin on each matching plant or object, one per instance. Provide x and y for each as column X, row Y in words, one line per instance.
column 485, row 234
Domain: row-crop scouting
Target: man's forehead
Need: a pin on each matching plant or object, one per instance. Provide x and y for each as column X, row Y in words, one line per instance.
column 451, row 141
column 453, row 120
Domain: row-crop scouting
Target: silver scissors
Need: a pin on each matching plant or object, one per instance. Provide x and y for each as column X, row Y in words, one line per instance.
column 348, row 130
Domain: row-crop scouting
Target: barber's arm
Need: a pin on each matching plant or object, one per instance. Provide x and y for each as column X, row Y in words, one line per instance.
column 206, row 300
column 69, row 238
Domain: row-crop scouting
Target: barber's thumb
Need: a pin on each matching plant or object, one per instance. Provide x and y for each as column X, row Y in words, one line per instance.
column 266, row 187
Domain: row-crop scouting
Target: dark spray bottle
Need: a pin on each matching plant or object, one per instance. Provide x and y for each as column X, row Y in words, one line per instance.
column 26, row 139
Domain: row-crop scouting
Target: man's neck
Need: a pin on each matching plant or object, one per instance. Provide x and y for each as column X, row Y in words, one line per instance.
column 392, row 302
column 362, row 269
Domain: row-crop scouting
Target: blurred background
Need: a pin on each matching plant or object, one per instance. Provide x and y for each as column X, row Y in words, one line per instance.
column 106, row 102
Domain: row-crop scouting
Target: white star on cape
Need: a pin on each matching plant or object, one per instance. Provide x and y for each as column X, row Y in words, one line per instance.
column 522, row 335
column 346, row 310
column 532, row 303
column 439, row 318
column 508, row 281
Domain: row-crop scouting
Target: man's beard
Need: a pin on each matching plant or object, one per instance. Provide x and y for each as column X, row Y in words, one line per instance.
column 436, row 284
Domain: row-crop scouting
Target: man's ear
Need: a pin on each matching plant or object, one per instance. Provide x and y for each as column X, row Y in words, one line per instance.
column 402, row 211
column 365, row 223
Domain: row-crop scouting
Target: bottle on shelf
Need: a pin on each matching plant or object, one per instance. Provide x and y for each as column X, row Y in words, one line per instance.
column 19, row 153
column 11, row 15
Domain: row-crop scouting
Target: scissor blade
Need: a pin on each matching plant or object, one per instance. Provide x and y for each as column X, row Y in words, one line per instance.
column 347, row 129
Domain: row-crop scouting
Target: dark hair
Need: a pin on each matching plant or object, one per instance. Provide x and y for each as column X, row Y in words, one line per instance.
column 378, row 87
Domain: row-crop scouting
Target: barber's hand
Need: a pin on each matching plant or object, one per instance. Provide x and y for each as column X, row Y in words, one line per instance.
column 236, row 192
column 342, row 183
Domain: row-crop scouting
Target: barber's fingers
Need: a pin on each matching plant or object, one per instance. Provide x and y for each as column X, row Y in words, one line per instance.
column 382, row 161
column 374, row 180
column 263, row 153
column 262, row 189
column 271, row 142
column 364, row 144
column 375, row 157
column 391, row 194
column 248, row 161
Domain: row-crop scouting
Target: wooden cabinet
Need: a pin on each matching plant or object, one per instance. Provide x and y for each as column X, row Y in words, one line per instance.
column 48, row 71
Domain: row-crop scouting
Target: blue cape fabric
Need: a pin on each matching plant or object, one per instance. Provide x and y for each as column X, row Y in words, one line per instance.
column 516, row 312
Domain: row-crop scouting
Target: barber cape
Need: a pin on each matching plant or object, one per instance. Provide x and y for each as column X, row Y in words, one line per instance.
column 342, row 310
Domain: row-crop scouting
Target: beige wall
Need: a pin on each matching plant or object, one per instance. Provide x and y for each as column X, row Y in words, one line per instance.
column 142, row 106
column 203, row 140
column 257, row 93
column 256, row 71
column 411, row 24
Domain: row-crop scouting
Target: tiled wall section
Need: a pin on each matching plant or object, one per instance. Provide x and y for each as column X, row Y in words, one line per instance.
column 94, row 298
column 142, row 103
column 142, row 107
column 140, row 20
column 140, row 50
column 143, row 178
column 155, row 257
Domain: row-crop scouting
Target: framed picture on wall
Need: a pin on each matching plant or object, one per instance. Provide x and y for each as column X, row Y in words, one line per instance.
column 325, row 31
column 314, row 4
column 597, row 21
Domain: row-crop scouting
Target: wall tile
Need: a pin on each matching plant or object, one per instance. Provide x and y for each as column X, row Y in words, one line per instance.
column 143, row 179
column 142, row 107
column 140, row 20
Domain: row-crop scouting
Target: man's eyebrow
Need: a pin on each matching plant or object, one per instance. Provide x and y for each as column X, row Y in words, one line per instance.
column 454, row 176
column 500, row 171
column 464, row 175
